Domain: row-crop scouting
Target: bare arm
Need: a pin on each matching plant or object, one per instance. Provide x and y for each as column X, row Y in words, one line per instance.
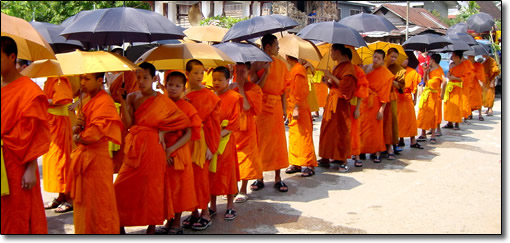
column 126, row 109
column 29, row 178
column 246, row 104
column 262, row 81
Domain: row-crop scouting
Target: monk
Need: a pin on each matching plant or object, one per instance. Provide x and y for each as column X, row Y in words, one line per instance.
column 429, row 101
column 301, row 149
column 312, row 97
column 250, row 165
column 360, row 94
column 321, row 90
column 475, row 96
column 380, row 82
column 453, row 92
column 489, row 87
column 56, row 162
column 225, row 169
column 334, row 140
column 207, row 105
column 468, row 77
column 139, row 187
column 270, row 123
column 179, row 182
column 25, row 137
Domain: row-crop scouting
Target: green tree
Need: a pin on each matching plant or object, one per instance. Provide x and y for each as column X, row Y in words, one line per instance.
column 221, row 21
column 465, row 13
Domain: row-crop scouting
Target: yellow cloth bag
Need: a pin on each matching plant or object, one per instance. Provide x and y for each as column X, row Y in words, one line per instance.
column 425, row 95
column 5, row 182
column 221, row 148
column 61, row 110
column 449, row 88
column 199, row 150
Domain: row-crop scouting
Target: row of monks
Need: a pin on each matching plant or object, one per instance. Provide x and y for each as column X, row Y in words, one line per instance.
column 176, row 152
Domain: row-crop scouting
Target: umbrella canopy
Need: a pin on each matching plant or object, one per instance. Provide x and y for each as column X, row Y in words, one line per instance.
column 294, row 46
column 206, row 33
column 461, row 27
column 426, row 42
column 167, row 57
column 114, row 26
column 259, row 26
column 412, row 60
column 364, row 22
column 480, row 50
column 480, row 22
column 51, row 32
column 242, row 53
column 327, row 62
column 79, row 62
column 332, row 32
column 464, row 37
column 43, row 68
column 31, row 44
column 456, row 45
column 367, row 52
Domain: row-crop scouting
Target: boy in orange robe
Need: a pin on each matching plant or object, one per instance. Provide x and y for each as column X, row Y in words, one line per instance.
column 56, row 161
column 489, row 87
column 334, row 140
column 207, row 105
column 25, row 137
column 250, row 165
column 380, row 82
column 360, row 94
column 475, row 96
column 430, row 97
column 139, row 187
column 270, row 123
column 225, row 170
column 407, row 126
column 301, row 149
column 90, row 177
column 453, row 111
column 468, row 77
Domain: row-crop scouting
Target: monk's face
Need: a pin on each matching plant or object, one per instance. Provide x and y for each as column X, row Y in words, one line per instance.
column 455, row 58
column 220, row 82
column 175, row 87
column 377, row 60
column 392, row 58
column 89, row 83
column 145, row 79
column 196, row 75
column 471, row 58
column 8, row 62
column 273, row 48
column 404, row 64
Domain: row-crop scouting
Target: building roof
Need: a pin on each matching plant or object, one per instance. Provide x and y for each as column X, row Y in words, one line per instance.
column 489, row 8
column 417, row 16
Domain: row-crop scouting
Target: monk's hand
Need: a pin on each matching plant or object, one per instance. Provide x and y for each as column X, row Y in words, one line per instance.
column 380, row 115
column 73, row 106
column 29, row 179
column 80, row 120
column 119, row 94
column 170, row 159
column 493, row 84
column 356, row 113
column 161, row 135
column 208, row 154
column 295, row 114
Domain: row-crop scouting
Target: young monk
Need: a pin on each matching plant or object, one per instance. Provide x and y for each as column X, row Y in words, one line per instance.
column 430, row 102
column 334, row 140
column 475, row 95
column 139, row 187
column 312, row 97
column 25, row 137
column 56, row 162
column 89, row 181
column 360, row 94
column 179, row 182
column 223, row 179
column 321, row 90
column 270, row 122
column 468, row 77
column 207, row 105
column 301, row 149
column 250, row 165
column 380, row 81
column 489, row 87
column 405, row 111
column 453, row 92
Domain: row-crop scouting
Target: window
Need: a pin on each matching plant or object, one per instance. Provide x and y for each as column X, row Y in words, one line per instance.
column 355, row 11
column 233, row 10
column 266, row 8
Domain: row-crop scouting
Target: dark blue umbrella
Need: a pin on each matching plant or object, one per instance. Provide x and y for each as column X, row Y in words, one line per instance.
column 464, row 37
column 242, row 53
column 364, row 22
column 259, row 26
column 426, row 42
column 458, row 28
column 332, row 32
column 114, row 26
column 480, row 22
column 456, row 45
column 480, row 49
column 51, row 33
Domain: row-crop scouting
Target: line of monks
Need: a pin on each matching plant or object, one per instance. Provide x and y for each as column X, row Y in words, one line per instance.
column 176, row 152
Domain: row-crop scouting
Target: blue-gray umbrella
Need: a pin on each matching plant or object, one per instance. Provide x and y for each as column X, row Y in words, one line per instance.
column 480, row 50
column 259, row 26
column 364, row 22
column 480, row 22
column 51, row 33
column 464, row 37
column 461, row 27
column 114, row 26
column 456, row 45
column 243, row 52
column 332, row 32
column 426, row 42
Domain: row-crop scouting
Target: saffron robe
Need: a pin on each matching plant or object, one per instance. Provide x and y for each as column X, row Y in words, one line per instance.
column 56, row 161
column 90, row 180
column 491, row 72
column 468, row 79
column 453, row 102
column 25, row 137
column 390, row 122
column 475, row 96
column 430, row 100
column 406, row 114
column 361, row 93
column 335, row 139
column 139, row 187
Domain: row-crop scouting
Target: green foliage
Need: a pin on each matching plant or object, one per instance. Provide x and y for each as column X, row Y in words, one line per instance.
column 56, row 12
column 465, row 13
column 443, row 19
column 221, row 21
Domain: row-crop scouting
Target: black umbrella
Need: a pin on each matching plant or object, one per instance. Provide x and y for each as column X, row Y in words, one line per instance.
column 364, row 22
column 464, row 37
column 114, row 26
column 480, row 22
column 51, row 33
column 426, row 42
column 480, row 50
column 332, row 32
column 239, row 52
column 412, row 60
column 458, row 28
column 259, row 26
column 456, row 45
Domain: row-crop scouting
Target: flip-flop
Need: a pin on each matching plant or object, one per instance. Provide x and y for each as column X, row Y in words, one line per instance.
column 481, row 118
column 416, row 145
column 53, row 204
column 377, row 159
column 64, row 208
column 240, row 198
column 279, row 185
column 231, row 212
column 204, row 224
column 211, row 212
column 257, row 185
column 189, row 221
column 358, row 163
column 323, row 162
column 307, row 172
column 390, row 157
column 343, row 168
column 293, row 169
column 433, row 141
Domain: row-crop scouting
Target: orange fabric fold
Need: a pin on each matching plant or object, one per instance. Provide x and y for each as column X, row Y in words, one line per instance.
column 360, row 93
column 406, row 114
column 491, row 70
column 453, row 106
column 468, row 79
column 475, row 97
column 427, row 115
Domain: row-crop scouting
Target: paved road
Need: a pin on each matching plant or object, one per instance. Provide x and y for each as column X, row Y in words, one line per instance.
column 452, row 187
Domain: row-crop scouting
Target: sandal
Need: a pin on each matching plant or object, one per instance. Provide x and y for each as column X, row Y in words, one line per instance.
column 481, row 118
column 161, row 230
column 377, row 159
column 438, row 134
column 53, row 204
column 308, row 172
column 456, row 127
column 293, row 169
column 175, row 231
column 390, row 157
column 64, row 208
column 240, row 198
column 232, row 212
column 358, row 163
column 397, row 150
column 421, row 139
column 189, row 221
column 470, row 117
column 257, row 185
column 449, row 126
column 416, row 145
column 323, row 162
column 401, row 144
column 203, row 224
column 279, row 185
column 211, row 212
column 433, row 141
column 343, row 168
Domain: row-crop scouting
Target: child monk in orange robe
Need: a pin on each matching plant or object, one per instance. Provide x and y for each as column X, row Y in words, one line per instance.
column 489, row 87
column 468, row 77
column 453, row 111
column 380, row 81
column 207, row 105
column 405, row 111
column 475, row 96
column 301, row 149
column 139, row 187
column 56, row 162
column 360, row 94
column 428, row 105
column 390, row 121
column 334, row 140
column 25, row 137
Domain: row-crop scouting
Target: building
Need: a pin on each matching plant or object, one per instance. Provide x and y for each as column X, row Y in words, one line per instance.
column 442, row 7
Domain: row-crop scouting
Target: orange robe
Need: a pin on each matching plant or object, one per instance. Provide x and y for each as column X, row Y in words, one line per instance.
column 361, row 93
column 250, row 165
column 56, row 161
column 321, row 91
column 475, row 97
column 25, row 137
column 405, row 105
column 380, row 82
column 491, row 72
column 224, row 180
column 90, row 180
column 207, row 105
column 390, row 122
column 430, row 101
column 273, row 151
column 335, row 139
column 301, row 149
column 179, row 182
column 453, row 105
column 468, row 79
column 139, row 187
